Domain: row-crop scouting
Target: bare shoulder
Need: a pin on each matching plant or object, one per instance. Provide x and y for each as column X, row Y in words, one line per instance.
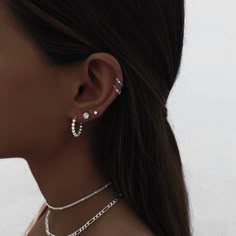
column 140, row 231
column 135, row 227
column 35, row 226
column 123, row 221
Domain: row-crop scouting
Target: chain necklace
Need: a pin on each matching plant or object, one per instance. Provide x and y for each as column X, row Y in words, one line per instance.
column 80, row 200
column 87, row 224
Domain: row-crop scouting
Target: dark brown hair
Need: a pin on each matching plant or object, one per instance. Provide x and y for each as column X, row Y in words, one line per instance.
column 135, row 145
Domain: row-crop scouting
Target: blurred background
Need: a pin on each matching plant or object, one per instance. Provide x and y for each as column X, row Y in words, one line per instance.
column 202, row 111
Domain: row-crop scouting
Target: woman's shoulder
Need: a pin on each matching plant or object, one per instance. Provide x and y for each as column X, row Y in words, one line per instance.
column 130, row 226
column 122, row 220
column 41, row 211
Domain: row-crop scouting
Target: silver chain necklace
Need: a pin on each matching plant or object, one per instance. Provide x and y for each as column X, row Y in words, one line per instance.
column 87, row 224
column 79, row 201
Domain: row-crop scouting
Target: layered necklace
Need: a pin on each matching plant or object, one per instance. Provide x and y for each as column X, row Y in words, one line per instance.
column 89, row 222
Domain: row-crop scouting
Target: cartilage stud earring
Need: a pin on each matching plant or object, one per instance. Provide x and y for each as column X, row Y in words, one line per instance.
column 119, row 82
column 116, row 89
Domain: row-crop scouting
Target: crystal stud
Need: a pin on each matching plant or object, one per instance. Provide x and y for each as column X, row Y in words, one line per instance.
column 86, row 115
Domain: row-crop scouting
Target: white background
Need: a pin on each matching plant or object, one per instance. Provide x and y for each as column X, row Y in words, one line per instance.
column 202, row 111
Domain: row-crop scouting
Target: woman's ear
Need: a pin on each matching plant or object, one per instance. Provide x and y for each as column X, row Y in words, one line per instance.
column 100, row 81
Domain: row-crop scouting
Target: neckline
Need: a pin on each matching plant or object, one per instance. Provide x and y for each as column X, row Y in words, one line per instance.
column 36, row 218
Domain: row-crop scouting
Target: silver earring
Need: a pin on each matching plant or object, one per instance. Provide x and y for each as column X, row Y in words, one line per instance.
column 95, row 112
column 116, row 89
column 73, row 128
column 119, row 82
column 86, row 115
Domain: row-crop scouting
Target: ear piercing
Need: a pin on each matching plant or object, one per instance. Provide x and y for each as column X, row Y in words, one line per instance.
column 73, row 128
column 114, row 86
column 119, row 82
column 86, row 117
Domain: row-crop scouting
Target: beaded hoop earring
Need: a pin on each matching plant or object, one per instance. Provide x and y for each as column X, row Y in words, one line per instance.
column 73, row 128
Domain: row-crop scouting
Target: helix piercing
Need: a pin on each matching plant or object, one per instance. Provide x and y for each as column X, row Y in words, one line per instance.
column 116, row 89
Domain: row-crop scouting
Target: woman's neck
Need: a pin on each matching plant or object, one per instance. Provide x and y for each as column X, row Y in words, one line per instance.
column 65, row 177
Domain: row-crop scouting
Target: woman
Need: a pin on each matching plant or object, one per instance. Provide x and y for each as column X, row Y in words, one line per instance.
column 84, row 87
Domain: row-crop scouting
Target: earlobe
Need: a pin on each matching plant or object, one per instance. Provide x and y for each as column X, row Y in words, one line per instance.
column 85, row 116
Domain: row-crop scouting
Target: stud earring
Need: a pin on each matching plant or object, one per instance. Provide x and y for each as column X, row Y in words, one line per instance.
column 73, row 128
column 86, row 115
column 119, row 82
column 116, row 89
column 95, row 112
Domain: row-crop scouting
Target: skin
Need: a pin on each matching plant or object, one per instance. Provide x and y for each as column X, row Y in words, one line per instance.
column 38, row 102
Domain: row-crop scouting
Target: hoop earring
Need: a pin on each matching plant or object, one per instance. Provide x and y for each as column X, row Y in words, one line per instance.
column 73, row 128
